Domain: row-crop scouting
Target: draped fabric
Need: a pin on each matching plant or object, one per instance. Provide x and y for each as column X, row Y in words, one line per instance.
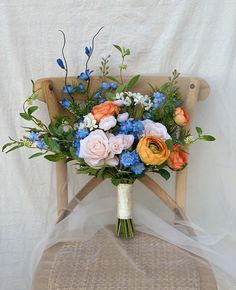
column 195, row 37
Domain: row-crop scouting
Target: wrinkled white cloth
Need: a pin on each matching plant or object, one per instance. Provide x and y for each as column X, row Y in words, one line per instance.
column 195, row 37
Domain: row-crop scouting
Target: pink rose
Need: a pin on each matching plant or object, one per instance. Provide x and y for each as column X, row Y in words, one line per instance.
column 155, row 129
column 120, row 142
column 107, row 123
column 122, row 117
column 94, row 149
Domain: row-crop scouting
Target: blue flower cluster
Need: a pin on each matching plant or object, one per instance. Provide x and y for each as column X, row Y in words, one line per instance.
column 65, row 103
column 107, row 85
column 33, row 136
column 158, row 100
column 131, row 160
column 39, row 142
column 134, row 127
column 85, row 75
column 80, row 134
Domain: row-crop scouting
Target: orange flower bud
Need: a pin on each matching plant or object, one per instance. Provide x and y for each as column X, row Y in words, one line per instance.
column 178, row 158
column 105, row 109
column 181, row 117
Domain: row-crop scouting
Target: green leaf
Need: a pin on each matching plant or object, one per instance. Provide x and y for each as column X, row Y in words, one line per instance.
column 36, row 155
column 25, row 116
column 199, row 130
column 207, row 138
column 164, row 173
column 169, row 144
column 115, row 181
column 53, row 145
column 15, row 147
column 7, row 145
column 54, row 157
column 110, row 96
column 73, row 153
column 118, row 47
column 133, row 82
column 120, row 89
column 113, row 79
column 32, row 109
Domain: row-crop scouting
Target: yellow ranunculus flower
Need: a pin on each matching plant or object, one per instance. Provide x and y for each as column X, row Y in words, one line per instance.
column 152, row 150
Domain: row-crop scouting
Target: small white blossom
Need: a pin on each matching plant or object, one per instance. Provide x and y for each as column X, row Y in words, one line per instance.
column 189, row 140
column 89, row 122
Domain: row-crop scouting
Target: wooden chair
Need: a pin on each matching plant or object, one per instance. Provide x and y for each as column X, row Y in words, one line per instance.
column 192, row 89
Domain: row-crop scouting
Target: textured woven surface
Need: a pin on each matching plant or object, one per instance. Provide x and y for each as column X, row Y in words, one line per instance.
column 144, row 262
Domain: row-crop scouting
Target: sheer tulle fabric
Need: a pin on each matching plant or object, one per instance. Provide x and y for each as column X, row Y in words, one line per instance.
column 98, row 210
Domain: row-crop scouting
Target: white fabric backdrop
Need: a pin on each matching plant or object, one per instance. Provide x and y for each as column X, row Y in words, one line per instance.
column 196, row 37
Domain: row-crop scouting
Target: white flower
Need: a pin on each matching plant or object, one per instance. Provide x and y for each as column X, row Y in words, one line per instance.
column 155, row 129
column 122, row 117
column 189, row 140
column 89, row 122
column 107, row 123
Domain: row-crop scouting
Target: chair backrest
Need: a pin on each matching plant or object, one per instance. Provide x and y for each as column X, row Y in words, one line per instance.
column 191, row 88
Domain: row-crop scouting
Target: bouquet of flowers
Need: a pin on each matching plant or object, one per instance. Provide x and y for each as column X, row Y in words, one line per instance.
column 114, row 132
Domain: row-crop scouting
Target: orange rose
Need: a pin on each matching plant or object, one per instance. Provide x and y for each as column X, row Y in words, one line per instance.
column 152, row 150
column 178, row 158
column 105, row 109
column 181, row 117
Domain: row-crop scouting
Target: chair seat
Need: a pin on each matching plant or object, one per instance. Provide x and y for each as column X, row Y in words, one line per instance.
column 105, row 263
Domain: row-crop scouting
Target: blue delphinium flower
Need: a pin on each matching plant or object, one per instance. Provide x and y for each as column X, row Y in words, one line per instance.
column 88, row 50
column 126, row 159
column 68, row 89
column 105, row 85
column 77, row 150
column 81, row 87
column 158, row 100
column 97, row 95
column 85, row 75
column 33, row 136
column 138, row 168
column 113, row 86
column 136, row 158
column 82, row 133
column 126, row 127
column 138, row 127
column 60, row 63
column 65, row 103
column 41, row 144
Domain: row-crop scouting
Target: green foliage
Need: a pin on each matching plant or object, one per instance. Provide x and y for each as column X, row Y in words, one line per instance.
column 132, row 82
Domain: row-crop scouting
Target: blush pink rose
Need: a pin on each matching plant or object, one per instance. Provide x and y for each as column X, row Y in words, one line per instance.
column 155, row 129
column 94, row 149
column 122, row 117
column 107, row 123
column 120, row 142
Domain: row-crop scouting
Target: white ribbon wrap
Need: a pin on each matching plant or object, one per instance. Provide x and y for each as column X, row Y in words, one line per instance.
column 124, row 201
